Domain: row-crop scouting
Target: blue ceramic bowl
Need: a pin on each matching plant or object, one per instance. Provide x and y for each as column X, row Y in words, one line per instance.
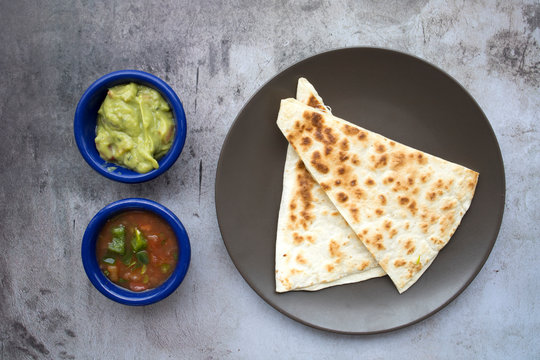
column 120, row 294
column 84, row 125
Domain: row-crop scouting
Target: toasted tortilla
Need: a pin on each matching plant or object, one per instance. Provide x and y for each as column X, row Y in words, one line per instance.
column 402, row 203
column 315, row 247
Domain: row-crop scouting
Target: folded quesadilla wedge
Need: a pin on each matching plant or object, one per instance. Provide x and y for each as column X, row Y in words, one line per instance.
column 315, row 247
column 403, row 204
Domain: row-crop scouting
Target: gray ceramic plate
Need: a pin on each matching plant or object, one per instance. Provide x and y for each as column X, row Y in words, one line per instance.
column 403, row 98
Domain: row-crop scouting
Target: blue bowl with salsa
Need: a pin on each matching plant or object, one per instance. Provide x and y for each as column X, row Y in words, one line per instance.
column 97, row 259
column 85, row 123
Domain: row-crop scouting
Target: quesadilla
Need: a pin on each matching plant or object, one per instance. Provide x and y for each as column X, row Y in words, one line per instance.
column 315, row 247
column 403, row 204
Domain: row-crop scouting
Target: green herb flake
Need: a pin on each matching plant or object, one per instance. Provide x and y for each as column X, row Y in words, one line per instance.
column 109, row 260
column 165, row 268
column 119, row 231
column 117, row 245
column 138, row 242
column 142, row 256
column 126, row 258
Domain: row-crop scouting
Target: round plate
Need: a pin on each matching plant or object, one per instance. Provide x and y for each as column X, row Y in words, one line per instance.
column 403, row 98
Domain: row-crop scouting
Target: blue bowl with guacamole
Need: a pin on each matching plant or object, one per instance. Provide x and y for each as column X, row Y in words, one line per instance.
column 130, row 126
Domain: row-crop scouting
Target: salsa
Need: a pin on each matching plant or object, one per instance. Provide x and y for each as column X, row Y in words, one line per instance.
column 135, row 127
column 137, row 250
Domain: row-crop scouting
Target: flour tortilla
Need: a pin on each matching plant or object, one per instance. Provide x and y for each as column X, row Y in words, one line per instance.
column 315, row 247
column 403, row 204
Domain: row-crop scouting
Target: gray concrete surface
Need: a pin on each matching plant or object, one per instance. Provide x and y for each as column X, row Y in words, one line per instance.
column 52, row 50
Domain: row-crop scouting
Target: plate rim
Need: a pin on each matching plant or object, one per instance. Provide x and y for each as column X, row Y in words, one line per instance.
column 477, row 270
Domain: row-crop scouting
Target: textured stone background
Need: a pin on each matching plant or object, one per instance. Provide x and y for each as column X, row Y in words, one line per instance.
column 216, row 54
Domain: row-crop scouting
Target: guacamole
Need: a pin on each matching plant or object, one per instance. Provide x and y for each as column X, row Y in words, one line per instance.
column 135, row 127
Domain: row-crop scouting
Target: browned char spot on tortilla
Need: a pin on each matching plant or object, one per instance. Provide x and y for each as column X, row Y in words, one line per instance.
column 343, row 156
column 300, row 259
column 306, row 141
column 342, row 197
column 314, row 117
column 380, row 148
column 403, row 200
column 313, row 102
column 329, row 136
column 297, row 239
column 362, row 266
column 445, row 222
column 449, row 205
column 413, row 268
column 354, row 212
column 322, row 133
column 409, row 246
column 398, row 160
column 304, row 186
column 377, row 242
column 333, row 248
column 422, row 160
column 362, row 136
column 379, row 162
column 318, row 164
column 344, row 144
column 359, row 193
column 472, row 183
column 412, row 207
column 399, row 262
column 350, row 130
